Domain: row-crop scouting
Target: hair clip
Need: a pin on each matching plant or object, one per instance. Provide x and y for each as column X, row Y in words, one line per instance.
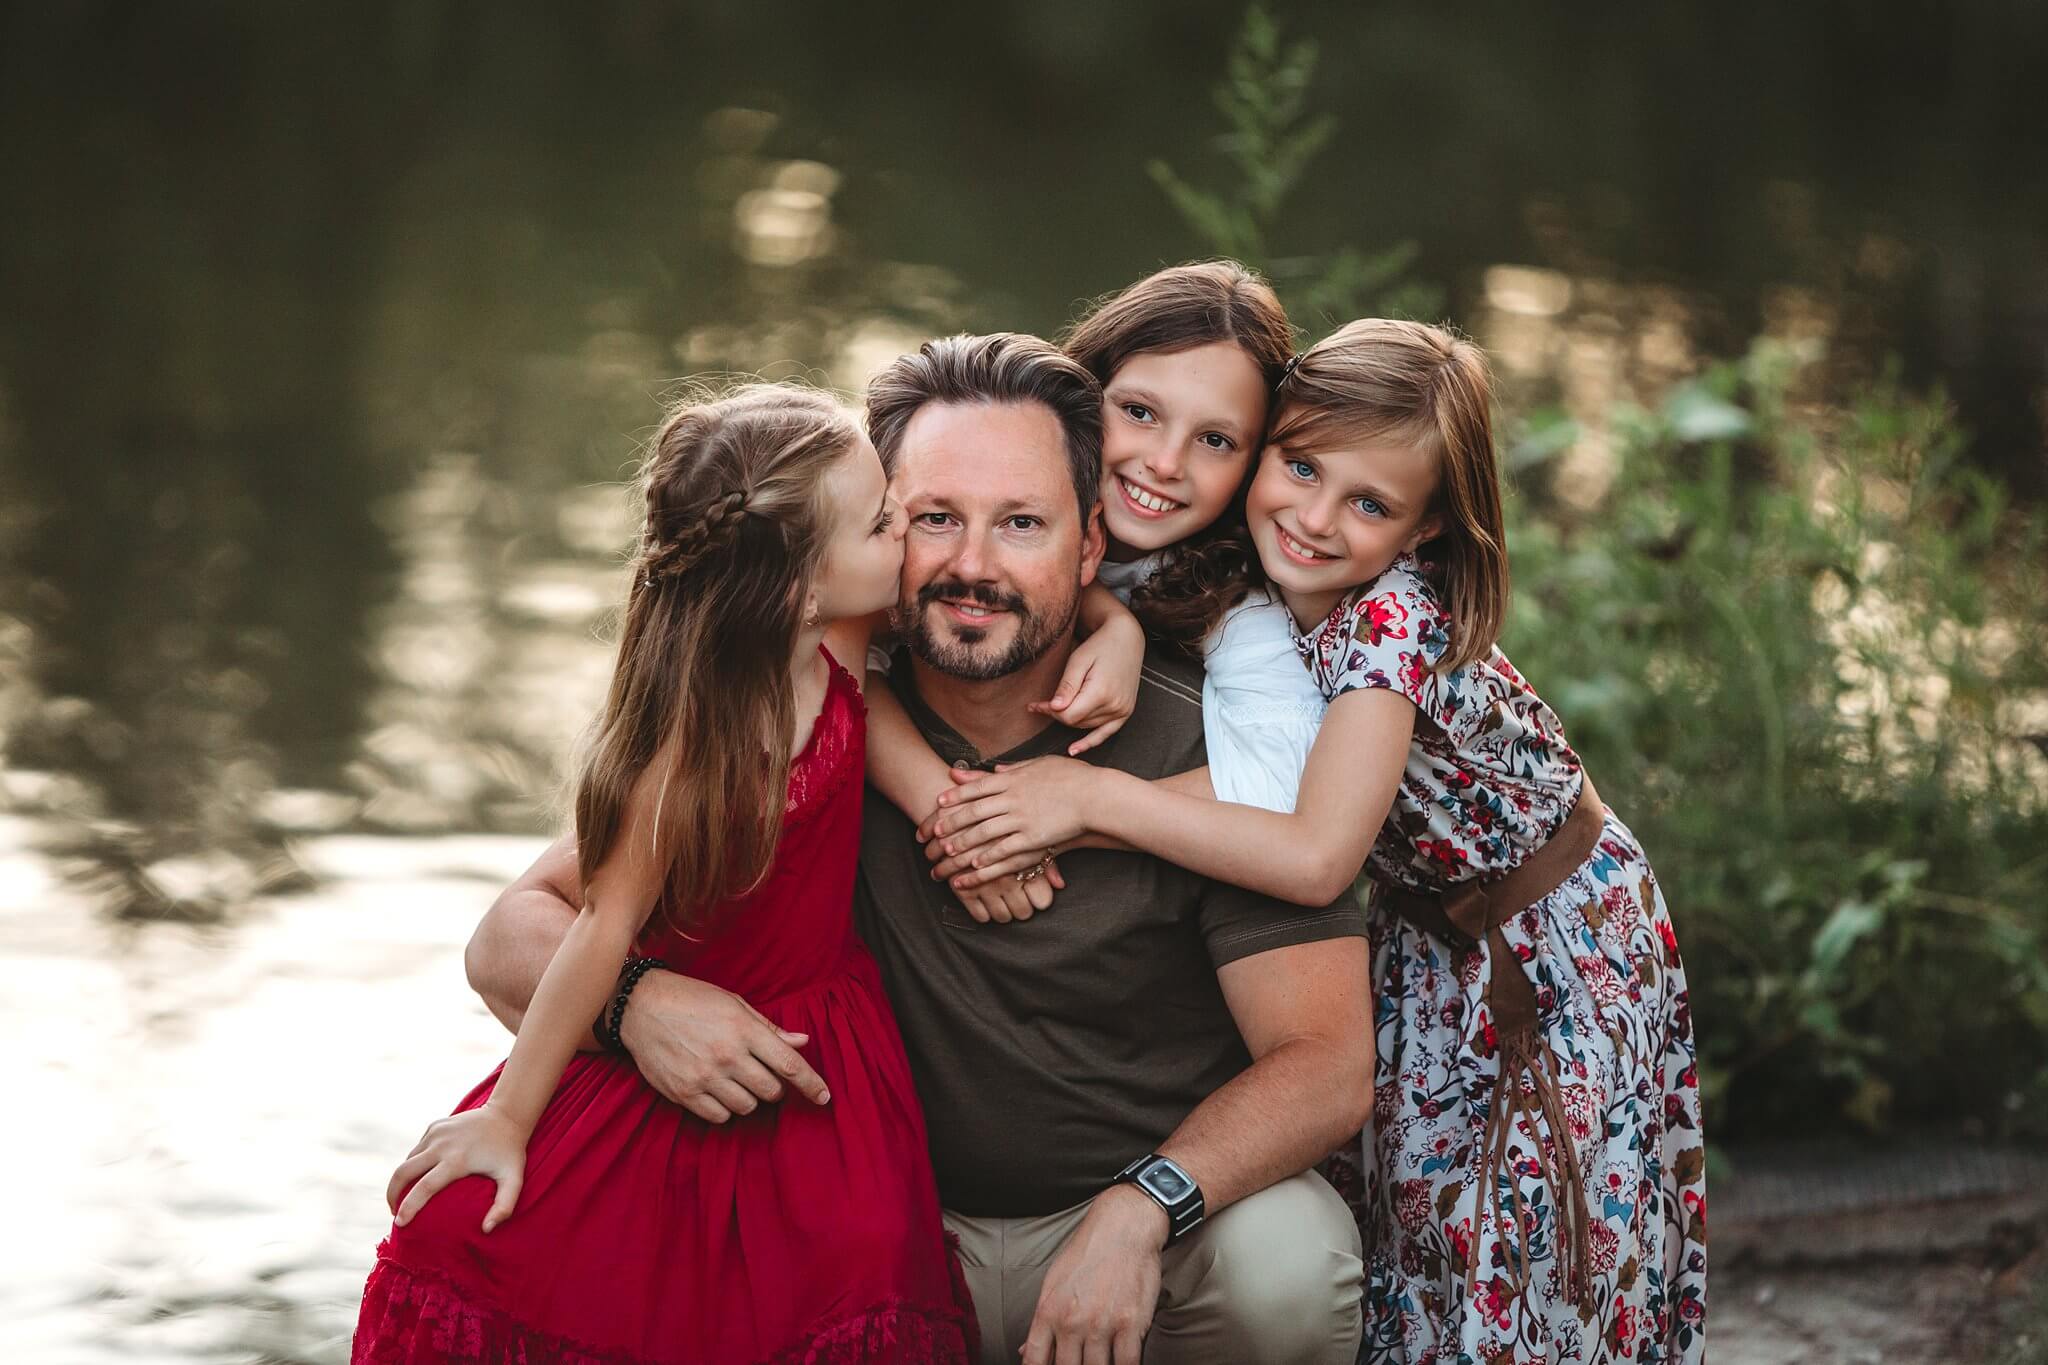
column 1293, row 363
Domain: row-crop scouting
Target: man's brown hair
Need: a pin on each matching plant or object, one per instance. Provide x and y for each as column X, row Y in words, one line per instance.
column 1002, row 367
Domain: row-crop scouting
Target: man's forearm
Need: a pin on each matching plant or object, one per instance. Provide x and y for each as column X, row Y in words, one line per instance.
column 1278, row 1117
column 512, row 948
column 1302, row 1096
column 698, row 1046
column 1305, row 1015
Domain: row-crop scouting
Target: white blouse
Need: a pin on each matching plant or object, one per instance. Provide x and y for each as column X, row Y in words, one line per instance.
column 1261, row 707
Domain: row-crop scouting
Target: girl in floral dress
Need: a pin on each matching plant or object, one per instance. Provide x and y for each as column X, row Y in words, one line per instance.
column 1535, row 1190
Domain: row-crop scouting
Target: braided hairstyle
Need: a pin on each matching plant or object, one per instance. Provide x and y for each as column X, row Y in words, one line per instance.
column 701, row 708
column 669, row 557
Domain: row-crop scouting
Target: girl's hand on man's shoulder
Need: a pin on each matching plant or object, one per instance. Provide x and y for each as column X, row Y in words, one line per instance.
column 1099, row 689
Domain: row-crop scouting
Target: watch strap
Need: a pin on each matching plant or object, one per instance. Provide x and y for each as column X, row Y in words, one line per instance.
column 1185, row 1212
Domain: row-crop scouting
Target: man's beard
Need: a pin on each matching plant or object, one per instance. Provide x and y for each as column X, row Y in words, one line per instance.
column 968, row 655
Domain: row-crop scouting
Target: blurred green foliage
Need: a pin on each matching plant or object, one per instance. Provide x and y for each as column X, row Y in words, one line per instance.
column 1803, row 655
column 1269, row 140
column 1802, row 651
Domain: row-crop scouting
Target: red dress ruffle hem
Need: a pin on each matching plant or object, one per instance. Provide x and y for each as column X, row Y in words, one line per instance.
column 797, row 1235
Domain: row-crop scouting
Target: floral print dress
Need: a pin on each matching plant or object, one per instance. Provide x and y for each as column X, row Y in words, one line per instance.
column 1466, row 1248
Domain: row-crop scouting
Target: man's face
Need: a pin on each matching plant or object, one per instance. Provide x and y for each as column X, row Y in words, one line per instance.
column 997, row 553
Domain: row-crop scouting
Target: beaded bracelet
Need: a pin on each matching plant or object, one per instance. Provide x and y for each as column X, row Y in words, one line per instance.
column 613, row 1017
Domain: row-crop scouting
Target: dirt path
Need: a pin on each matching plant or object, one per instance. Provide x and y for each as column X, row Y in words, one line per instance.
column 1923, row 1251
column 1882, row 1313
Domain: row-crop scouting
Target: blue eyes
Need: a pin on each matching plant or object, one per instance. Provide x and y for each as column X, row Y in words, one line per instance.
column 1306, row 472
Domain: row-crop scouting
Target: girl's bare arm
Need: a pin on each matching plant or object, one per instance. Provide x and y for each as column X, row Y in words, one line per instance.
column 585, row 968
column 491, row 1141
column 906, row 771
column 1098, row 689
column 1309, row 856
column 900, row 763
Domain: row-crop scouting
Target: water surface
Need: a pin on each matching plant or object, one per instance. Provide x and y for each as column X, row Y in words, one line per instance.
column 326, row 339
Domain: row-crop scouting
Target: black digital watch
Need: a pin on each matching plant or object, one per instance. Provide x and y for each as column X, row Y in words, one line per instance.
column 1170, row 1187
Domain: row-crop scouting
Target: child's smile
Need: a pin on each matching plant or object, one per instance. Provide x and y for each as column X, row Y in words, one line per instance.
column 1178, row 428
column 1143, row 501
column 1325, row 521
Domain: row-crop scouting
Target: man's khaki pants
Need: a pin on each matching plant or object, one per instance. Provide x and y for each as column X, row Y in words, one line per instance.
column 1274, row 1279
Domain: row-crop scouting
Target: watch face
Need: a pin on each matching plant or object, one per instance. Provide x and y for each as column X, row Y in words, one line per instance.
column 1167, row 1182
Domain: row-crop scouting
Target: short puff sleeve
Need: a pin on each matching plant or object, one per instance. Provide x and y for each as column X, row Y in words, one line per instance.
column 1391, row 634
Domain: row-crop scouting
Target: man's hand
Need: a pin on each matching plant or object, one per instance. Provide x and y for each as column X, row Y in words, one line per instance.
column 710, row 1051
column 1101, row 1291
column 1003, row 901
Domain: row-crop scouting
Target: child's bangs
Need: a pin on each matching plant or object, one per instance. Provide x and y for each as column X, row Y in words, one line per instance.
column 1306, row 429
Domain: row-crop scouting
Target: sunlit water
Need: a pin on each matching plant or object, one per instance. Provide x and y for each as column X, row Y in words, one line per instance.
column 316, row 392
column 202, row 1120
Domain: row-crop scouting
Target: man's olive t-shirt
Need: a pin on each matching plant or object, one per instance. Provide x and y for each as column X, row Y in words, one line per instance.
column 1051, row 1052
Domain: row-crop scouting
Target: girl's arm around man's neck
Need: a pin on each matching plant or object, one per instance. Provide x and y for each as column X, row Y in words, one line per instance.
column 1309, row 857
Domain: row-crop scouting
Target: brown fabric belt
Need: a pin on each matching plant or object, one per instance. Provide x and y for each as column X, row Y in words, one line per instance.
column 1473, row 912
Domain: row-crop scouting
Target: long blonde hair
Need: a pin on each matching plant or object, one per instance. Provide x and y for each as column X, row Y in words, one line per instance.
column 736, row 528
column 1381, row 379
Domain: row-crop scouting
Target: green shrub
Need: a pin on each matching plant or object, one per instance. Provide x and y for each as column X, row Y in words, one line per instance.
column 1804, row 662
column 1269, row 138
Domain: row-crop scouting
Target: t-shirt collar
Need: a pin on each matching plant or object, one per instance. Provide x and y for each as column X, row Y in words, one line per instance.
column 947, row 743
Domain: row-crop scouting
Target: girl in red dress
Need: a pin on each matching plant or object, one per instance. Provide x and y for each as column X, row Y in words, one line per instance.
column 566, row 1211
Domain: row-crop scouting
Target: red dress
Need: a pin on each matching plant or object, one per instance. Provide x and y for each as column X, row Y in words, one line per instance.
column 643, row 1233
